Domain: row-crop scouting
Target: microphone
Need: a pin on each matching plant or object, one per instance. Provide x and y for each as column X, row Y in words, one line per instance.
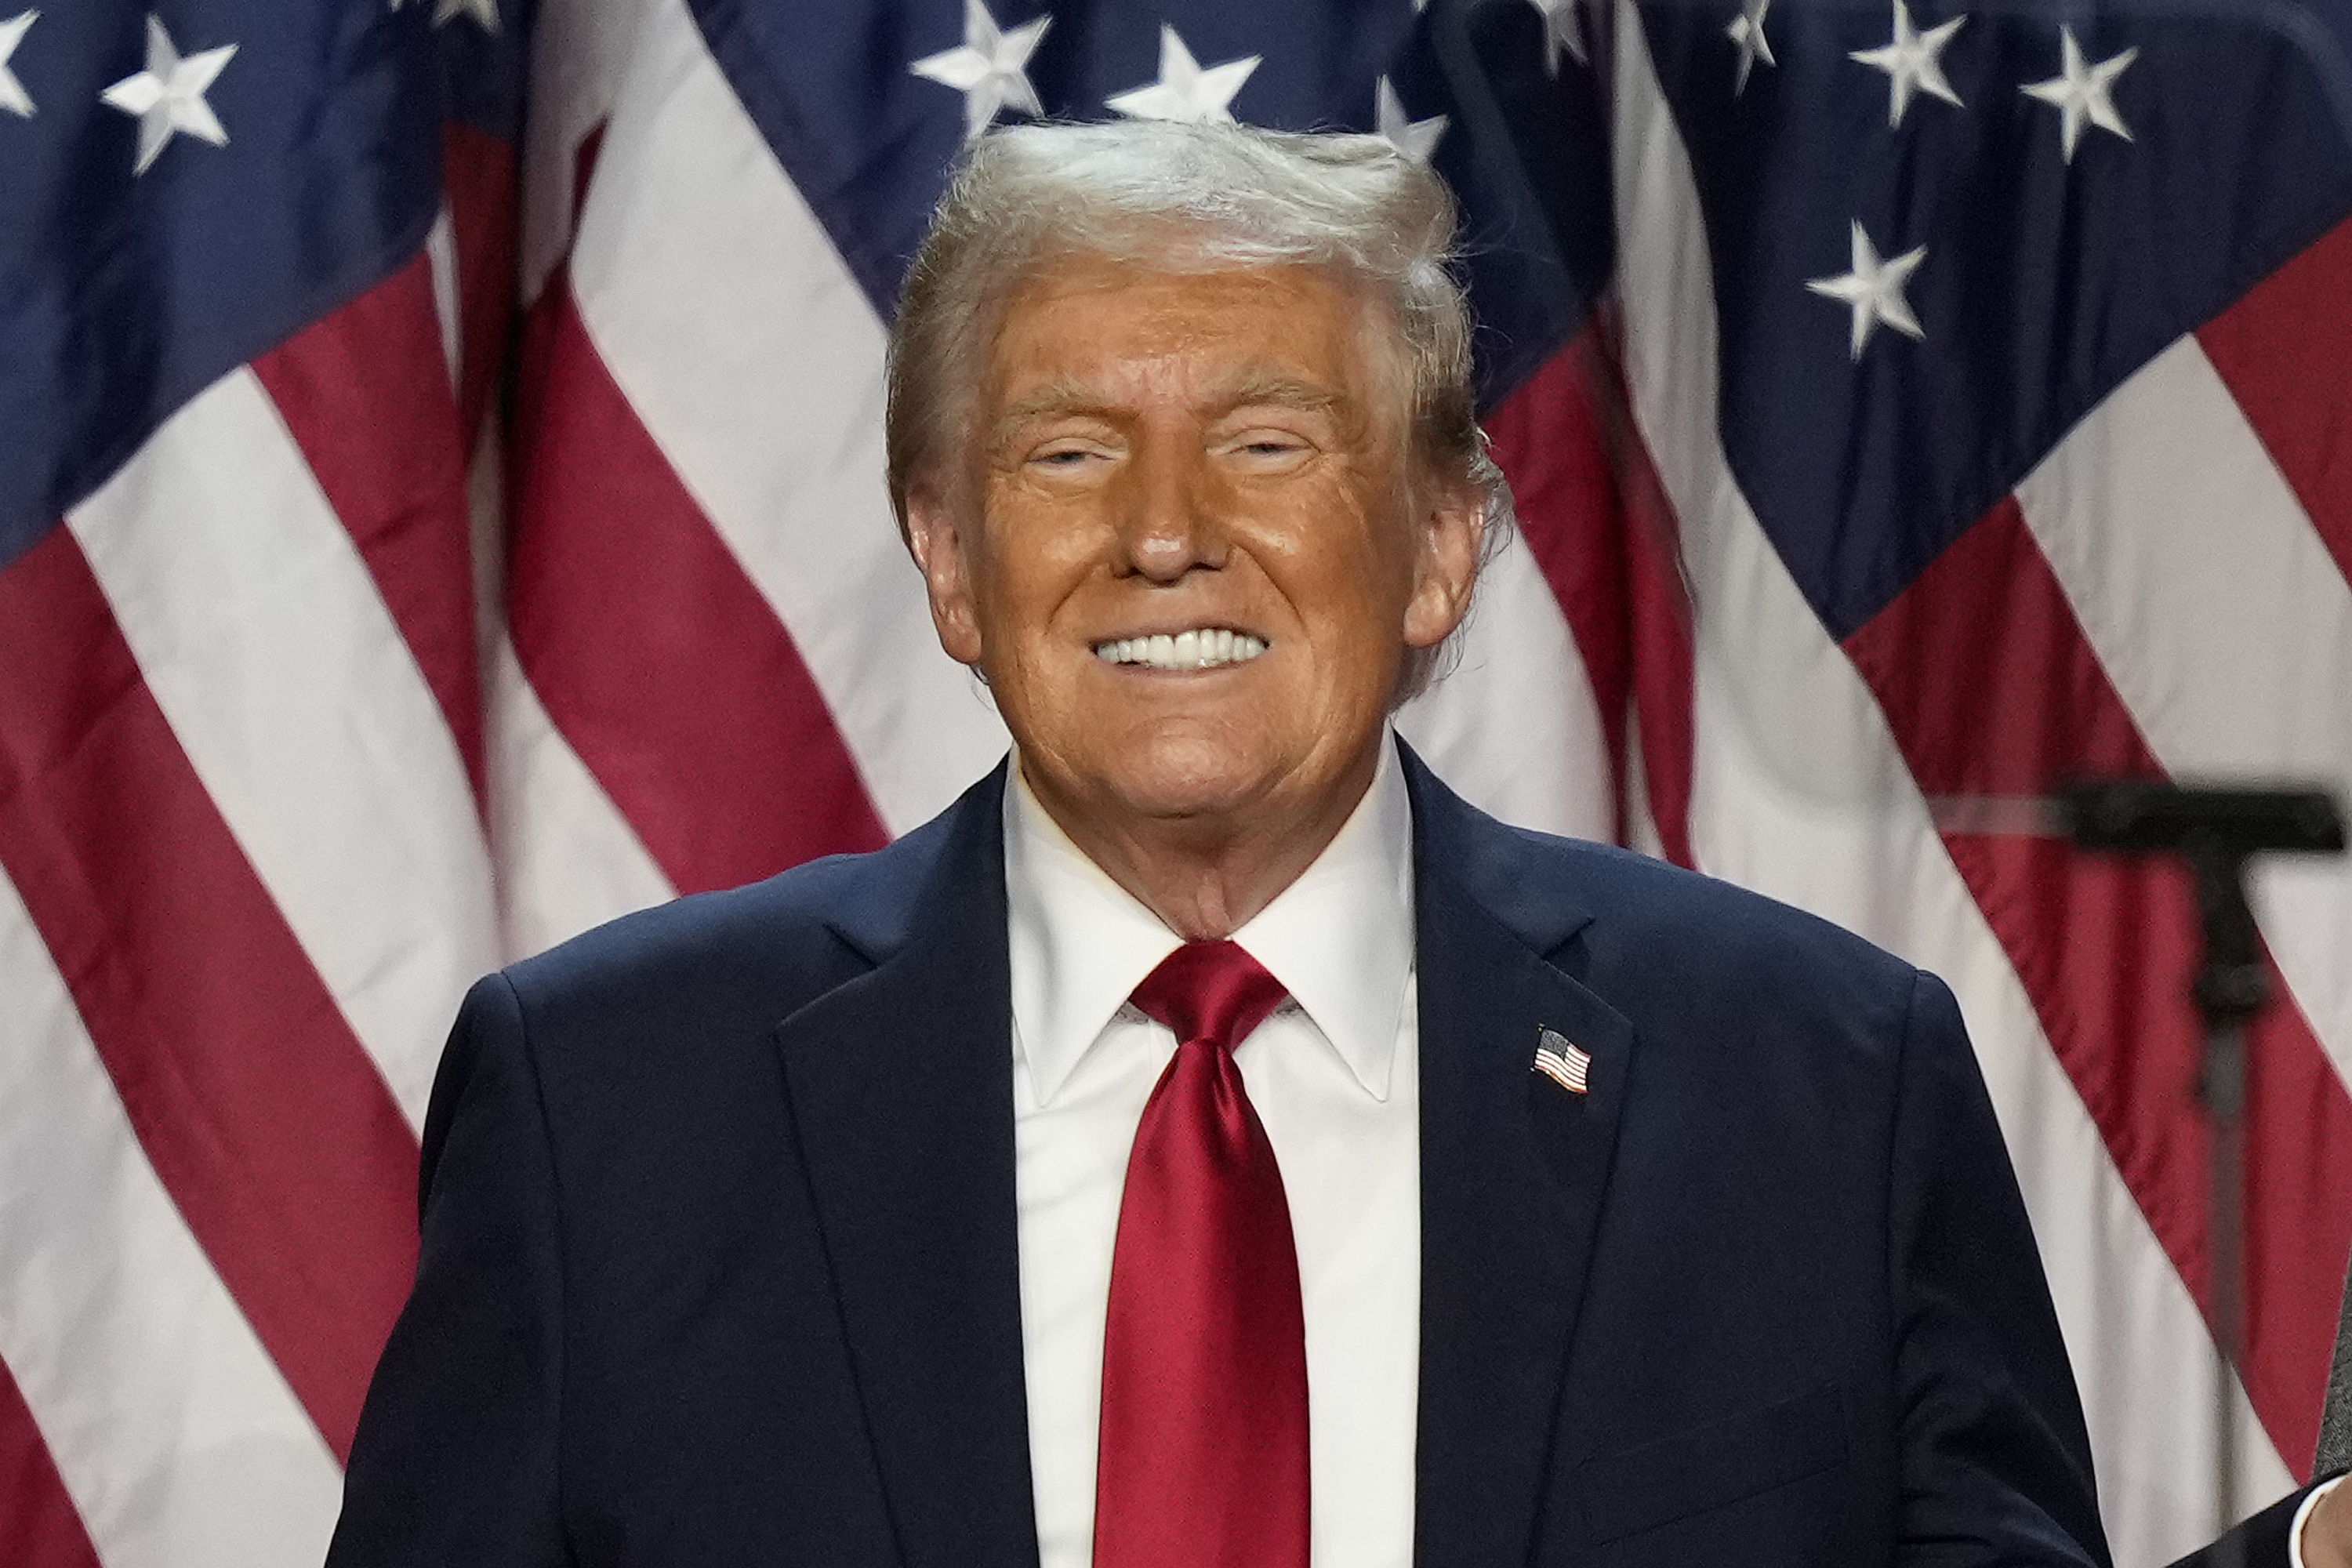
column 2215, row 828
column 2147, row 818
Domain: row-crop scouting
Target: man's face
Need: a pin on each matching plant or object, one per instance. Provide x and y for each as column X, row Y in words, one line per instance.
column 1192, row 555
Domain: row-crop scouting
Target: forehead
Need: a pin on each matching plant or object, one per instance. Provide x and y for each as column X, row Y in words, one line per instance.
column 1119, row 328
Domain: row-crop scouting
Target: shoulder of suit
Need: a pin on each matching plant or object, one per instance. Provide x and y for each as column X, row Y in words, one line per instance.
column 774, row 937
column 1663, row 921
column 1604, row 909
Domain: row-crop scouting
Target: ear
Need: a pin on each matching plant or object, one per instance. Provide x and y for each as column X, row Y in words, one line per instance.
column 933, row 534
column 1454, row 527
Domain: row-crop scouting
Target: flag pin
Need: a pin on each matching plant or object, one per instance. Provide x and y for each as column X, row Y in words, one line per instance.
column 1564, row 1063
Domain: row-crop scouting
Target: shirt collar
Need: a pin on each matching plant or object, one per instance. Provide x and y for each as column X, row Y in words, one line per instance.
column 1340, row 938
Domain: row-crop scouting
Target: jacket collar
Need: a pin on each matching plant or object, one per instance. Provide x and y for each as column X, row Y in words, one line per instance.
column 901, row 1089
column 880, row 911
column 1488, row 861
column 1340, row 938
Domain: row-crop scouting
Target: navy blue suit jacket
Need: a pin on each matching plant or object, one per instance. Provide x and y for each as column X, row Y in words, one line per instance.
column 719, row 1254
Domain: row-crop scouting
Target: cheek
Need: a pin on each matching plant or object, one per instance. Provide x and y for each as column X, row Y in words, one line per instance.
column 1039, row 531
column 1021, row 594
column 1021, row 572
column 1355, row 625
column 1356, row 575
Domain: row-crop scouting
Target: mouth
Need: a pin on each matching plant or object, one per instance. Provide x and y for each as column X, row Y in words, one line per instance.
column 1201, row 647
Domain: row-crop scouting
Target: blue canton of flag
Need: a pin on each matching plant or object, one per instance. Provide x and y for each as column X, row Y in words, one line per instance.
column 186, row 189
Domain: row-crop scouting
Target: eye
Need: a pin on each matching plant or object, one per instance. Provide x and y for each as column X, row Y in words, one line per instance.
column 1067, row 456
column 1267, row 450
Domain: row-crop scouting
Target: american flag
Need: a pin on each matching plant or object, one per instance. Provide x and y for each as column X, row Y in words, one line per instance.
column 1566, row 1064
column 428, row 529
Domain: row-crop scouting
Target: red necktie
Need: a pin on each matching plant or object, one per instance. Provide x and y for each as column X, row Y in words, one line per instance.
column 1203, row 1456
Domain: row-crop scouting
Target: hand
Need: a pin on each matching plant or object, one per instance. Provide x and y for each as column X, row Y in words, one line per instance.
column 2327, row 1533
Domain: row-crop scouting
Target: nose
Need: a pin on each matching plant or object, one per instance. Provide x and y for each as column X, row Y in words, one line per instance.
column 1167, row 524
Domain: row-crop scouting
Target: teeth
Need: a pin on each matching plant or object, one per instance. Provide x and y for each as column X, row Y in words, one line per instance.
column 1205, row 648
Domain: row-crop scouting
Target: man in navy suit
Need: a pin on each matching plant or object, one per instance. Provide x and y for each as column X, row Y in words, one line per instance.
column 1210, row 1141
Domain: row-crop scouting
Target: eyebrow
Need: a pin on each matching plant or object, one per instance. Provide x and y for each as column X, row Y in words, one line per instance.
column 1251, row 390
column 1263, row 390
column 1053, row 398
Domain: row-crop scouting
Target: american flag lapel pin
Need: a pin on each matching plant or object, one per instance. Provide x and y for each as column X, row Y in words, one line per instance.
column 1566, row 1064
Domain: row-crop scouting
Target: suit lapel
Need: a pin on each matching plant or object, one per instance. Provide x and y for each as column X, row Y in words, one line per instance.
column 900, row 1084
column 901, row 1099
column 1514, row 1169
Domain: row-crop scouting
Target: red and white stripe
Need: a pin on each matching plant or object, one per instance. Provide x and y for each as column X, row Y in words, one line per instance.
column 243, row 881
column 171, row 1437
column 1811, row 767
column 311, row 743
column 247, row 881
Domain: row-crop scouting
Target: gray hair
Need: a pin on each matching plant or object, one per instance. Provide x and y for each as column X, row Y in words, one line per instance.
column 1183, row 198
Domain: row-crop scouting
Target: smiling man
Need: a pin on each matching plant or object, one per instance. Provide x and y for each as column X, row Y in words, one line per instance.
column 1194, row 559
column 1211, row 1142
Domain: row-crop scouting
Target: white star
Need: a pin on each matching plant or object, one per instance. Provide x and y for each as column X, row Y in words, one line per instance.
column 13, row 96
column 990, row 67
column 1747, row 30
column 1875, row 290
column 168, row 97
column 1185, row 91
column 1913, row 62
column 1416, row 138
column 2083, row 91
column 485, row 13
column 1563, row 29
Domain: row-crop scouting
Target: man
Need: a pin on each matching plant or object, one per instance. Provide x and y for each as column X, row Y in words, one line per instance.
column 1211, row 1141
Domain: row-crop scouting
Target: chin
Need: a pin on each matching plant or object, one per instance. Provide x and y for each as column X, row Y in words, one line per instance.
column 1187, row 776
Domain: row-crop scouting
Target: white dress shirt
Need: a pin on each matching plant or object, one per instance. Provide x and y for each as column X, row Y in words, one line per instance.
column 1334, row 1075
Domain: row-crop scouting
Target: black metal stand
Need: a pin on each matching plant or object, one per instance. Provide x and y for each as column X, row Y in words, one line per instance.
column 2218, row 832
column 2231, row 987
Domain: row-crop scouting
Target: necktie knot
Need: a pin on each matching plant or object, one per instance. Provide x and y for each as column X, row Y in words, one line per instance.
column 1211, row 992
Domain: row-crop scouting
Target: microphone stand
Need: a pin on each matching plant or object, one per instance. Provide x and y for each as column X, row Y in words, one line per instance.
column 2217, row 832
